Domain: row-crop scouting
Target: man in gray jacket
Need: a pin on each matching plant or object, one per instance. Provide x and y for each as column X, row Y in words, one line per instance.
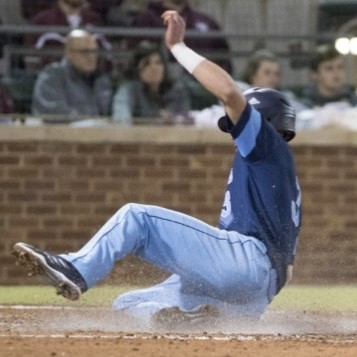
column 74, row 88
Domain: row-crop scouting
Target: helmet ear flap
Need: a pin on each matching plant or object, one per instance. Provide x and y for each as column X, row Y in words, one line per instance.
column 275, row 107
column 284, row 123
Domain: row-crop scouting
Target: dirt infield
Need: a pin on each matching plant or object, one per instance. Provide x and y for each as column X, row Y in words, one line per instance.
column 63, row 331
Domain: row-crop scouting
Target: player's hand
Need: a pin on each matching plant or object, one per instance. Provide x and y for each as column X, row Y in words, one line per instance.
column 176, row 27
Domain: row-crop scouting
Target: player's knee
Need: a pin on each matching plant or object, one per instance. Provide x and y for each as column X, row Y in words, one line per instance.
column 131, row 208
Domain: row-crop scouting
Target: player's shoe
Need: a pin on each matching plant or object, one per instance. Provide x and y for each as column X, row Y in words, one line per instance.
column 175, row 318
column 60, row 273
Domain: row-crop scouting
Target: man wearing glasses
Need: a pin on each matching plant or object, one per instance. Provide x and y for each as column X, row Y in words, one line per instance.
column 74, row 88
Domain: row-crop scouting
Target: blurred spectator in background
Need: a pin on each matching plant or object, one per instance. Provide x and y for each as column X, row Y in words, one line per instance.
column 6, row 102
column 30, row 8
column 149, row 92
column 124, row 14
column 263, row 69
column 72, row 13
column 10, row 14
column 328, row 74
column 103, row 7
column 194, row 21
column 73, row 88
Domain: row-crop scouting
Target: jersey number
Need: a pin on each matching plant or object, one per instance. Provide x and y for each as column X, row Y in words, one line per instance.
column 295, row 207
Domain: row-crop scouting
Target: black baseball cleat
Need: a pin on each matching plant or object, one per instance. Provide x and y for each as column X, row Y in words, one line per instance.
column 60, row 273
column 175, row 318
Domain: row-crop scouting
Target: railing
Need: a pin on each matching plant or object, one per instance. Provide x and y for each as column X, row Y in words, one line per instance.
column 126, row 34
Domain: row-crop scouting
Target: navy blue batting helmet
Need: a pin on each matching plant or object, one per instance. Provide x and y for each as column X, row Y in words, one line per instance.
column 275, row 107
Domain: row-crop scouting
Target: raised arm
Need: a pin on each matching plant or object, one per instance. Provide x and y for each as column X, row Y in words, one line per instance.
column 211, row 76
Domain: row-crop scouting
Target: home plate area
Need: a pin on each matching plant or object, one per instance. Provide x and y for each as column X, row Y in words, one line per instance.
column 68, row 331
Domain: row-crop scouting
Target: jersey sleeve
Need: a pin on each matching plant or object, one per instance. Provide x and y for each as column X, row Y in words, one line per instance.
column 253, row 136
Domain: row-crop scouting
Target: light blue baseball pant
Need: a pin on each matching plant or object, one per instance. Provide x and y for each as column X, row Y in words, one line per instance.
column 209, row 265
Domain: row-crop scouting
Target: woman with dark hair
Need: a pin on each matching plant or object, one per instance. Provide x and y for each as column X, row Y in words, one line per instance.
column 148, row 91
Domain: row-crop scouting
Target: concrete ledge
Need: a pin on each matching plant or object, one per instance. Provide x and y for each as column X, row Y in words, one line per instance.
column 159, row 134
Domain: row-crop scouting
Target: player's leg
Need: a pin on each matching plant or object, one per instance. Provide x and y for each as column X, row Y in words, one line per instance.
column 216, row 264
column 222, row 265
column 165, row 305
column 208, row 257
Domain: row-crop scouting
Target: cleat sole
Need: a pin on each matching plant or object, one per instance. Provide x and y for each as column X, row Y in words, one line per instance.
column 35, row 264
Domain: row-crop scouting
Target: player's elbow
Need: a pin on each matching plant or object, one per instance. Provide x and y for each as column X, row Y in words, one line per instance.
column 231, row 96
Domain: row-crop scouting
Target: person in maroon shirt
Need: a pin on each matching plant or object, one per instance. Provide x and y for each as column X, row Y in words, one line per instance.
column 72, row 13
column 31, row 8
column 194, row 21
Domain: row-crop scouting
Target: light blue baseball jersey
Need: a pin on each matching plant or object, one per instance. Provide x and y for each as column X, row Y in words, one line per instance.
column 263, row 197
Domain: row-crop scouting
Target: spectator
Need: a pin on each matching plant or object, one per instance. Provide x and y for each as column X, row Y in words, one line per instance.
column 73, row 88
column 262, row 70
column 10, row 14
column 194, row 21
column 102, row 7
column 72, row 13
column 7, row 105
column 124, row 14
column 148, row 91
column 30, row 9
column 329, row 79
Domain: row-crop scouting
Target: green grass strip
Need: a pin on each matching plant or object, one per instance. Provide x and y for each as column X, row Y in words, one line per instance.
column 293, row 297
column 300, row 297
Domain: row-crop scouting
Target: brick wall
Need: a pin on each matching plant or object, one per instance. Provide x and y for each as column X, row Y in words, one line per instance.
column 56, row 194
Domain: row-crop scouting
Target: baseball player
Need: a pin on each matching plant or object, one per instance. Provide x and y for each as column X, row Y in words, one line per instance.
column 229, row 271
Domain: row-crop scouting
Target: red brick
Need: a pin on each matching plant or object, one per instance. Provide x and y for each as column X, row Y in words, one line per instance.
column 122, row 172
column 124, row 148
column 73, row 184
column 174, row 161
column 23, row 172
column 55, row 148
column 164, row 149
column 57, row 172
column 76, row 234
column 23, row 197
column 90, row 172
column 57, row 222
column 11, row 208
column 175, row 187
column 91, row 148
column 22, row 147
column 222, row 150
column 27, row 222
column 141, row 161
column 74, row 209
column 89, row 197
column 41, row 235
column 107, row 161
column 39, row 160
column 72, row 160
column 158, row 173
column 39, row 185
column 9, row 160
column 41, row 209
column 107, row 185
column 9, row 185
column 56, row 197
